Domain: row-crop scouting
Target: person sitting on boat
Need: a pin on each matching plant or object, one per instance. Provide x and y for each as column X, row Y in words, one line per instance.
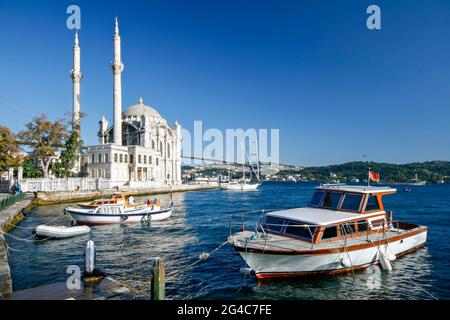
column 131, row 200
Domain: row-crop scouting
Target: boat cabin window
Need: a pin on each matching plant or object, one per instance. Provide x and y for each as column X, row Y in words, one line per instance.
column 363, row 226
column 317, row 199
column 331, row 200
column 300, row 230
column 348, row 228
column 352, row 202
column 377, row 223
column 273, row 225
column 330, row 232
column 372, row 204
column 110, row 210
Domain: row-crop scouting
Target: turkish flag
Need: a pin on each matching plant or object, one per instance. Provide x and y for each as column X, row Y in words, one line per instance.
column 375, row 177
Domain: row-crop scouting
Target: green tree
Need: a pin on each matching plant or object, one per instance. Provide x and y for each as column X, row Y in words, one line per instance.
column 70, row 154
column 44, row 139
column 30, row 170
column 9, row 150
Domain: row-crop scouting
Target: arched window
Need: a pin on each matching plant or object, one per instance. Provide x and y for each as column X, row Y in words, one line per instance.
column 121, row 157
column 93, row 159
column 153, row 144
column 126, row 158
column 131, row 158
column 115, row 157
column 106, row 158
column 99, row 158
column 168, row 150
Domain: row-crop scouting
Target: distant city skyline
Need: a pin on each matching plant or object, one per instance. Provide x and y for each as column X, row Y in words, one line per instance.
column 312, row 69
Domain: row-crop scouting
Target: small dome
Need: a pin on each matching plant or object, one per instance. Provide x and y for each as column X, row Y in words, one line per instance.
column 139, row 110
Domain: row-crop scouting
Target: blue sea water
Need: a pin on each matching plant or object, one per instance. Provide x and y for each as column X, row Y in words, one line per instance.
column 200, row 224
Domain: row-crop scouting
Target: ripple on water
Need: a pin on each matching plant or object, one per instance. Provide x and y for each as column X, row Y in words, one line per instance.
column 200, row 223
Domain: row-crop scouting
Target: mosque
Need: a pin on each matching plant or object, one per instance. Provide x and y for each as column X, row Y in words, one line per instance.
column 139, row 149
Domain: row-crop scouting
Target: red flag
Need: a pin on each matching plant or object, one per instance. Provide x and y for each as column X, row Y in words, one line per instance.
column 375, row 177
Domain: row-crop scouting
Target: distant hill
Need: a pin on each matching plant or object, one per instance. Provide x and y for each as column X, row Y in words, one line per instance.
column 431, row 171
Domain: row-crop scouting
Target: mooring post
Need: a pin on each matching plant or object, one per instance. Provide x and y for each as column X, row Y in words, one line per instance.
column 159, row 280
column 89, row 259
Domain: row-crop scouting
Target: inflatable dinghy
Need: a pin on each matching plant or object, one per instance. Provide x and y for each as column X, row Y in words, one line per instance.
column 60, row 232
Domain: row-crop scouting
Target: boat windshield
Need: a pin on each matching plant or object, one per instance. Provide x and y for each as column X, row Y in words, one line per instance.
column 290, row 228
column 337, row 201
column 272, row 225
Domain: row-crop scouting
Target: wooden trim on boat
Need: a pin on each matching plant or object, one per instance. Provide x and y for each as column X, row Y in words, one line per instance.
column 273, row 275
column 406, row 234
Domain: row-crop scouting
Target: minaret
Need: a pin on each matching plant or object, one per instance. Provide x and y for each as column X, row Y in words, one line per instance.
column 117, row 68
column 76, row 76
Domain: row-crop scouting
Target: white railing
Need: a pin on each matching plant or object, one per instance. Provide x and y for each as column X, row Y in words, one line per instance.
column 63, row 184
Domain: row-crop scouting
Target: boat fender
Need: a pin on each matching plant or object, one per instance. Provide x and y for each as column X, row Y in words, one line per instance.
column 123, row 217
column 345, row 262
column 391, row 256
column 385, row 264
column 248, row 272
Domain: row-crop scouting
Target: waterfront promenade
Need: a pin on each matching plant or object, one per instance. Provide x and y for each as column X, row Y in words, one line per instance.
column 8, row 218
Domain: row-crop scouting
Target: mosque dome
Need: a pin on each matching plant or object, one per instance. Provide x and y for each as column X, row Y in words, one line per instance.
column 140, row 109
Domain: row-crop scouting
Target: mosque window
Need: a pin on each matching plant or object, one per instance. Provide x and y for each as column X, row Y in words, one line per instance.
column 126, row 158
column 157, row 161
column 153, row 144
column 106, row 158
column 121, row 158
column 99, row 158
column 115, row 157
column 139, row 158
column 150, row 159
column 145, row 159
column 131, row 158
column 168, row 150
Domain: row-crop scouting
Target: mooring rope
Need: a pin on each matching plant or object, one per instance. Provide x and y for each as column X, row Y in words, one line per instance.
column 43, row 224
column 202, row 257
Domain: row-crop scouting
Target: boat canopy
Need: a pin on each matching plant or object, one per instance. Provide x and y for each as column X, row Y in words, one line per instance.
column 356, row 189
column 315, row 216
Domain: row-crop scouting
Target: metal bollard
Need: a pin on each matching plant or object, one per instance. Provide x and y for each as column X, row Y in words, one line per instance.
column 89, row 259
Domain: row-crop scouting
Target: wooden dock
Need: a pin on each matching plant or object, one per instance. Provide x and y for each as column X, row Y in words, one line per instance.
column 107, row 289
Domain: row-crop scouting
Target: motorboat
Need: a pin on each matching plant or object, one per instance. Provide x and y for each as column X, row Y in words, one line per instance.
column 344, row 228
column 119, row 210
column 60, row 232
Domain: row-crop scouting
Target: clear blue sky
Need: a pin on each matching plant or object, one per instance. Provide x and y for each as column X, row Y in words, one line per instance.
column 310, row 68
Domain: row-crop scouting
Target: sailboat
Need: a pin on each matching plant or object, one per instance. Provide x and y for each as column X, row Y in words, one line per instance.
column 417, row 182
column 244, row 184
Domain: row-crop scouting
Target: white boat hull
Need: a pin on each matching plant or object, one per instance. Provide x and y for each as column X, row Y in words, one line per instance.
column 61, row 232
column 268, row 265
column 82, row 217
column 240, row 187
